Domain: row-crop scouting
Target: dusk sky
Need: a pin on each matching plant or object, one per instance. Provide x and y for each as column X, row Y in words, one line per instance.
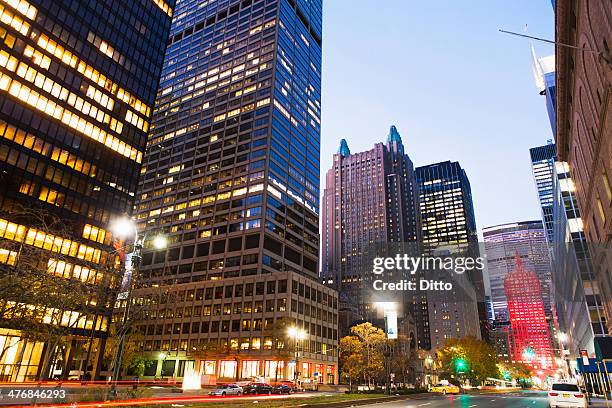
column 456, row 88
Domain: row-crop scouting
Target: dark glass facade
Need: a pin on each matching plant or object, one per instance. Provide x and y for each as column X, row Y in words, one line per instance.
column 77, row 85
column 447, row 218
column 542, row 164
column 232, row 178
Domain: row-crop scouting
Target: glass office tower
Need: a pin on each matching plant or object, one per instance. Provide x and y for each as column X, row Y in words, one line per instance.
column 232, row 178
column 447, row 218
column 77, row 84
column 542, row 165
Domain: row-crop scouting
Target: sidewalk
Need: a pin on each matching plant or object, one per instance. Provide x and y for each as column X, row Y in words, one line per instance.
column 599, row 403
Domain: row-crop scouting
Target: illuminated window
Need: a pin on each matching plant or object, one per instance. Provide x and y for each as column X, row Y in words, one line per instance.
column 8, row 257
column 227, row 368
column 22, row 7
column 163, row 6
column 94, row 233
column 13, row 20
column 40, row 239
column 72, row 120
column 250, row 368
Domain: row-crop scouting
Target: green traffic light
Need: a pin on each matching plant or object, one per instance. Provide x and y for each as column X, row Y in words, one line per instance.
column 460, row 365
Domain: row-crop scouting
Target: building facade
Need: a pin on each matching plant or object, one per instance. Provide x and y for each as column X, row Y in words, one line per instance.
column 584, row 112
column 577, row 294
column 77, row 84
column 369, row 200
column 231, row 177
column 447, row 218
column 542, row 165
column 529, row 334
column 502, row 242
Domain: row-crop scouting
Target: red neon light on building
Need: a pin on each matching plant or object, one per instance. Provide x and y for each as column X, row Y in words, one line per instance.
column 529, row 329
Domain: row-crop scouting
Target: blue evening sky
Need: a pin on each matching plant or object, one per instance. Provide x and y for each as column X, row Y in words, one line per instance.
column 455, row 87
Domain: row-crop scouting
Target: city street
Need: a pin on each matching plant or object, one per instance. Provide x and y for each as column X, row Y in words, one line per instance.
column 510, row 400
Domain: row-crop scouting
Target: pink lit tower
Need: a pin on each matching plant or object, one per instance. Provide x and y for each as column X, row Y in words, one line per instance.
column 529, row 329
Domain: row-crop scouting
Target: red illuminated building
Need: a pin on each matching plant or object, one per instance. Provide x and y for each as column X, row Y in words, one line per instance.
column 529, row 329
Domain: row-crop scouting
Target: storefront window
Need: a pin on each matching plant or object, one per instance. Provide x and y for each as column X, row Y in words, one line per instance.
column 274, row 369
column 208, row 367
column 227, row 369
column 250, row 368
column 331, row 374
column 319, row 372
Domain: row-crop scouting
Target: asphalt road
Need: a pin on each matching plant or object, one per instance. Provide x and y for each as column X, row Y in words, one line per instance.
column 511, row 400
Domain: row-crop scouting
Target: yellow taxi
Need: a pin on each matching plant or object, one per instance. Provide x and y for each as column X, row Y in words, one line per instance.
column 445, row 388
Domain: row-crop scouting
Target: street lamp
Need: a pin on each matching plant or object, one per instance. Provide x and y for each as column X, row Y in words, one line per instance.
column 297, row 335
column 160, row 242
column 125, row 228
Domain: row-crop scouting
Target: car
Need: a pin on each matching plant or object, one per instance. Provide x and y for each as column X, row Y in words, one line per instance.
column 227, row 389
column 283, row 389
column 566, row 395
column 258, row 388
column 444, row 389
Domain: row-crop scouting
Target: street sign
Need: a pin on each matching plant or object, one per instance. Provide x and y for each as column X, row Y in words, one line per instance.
column 585, row 357
column 391, row 324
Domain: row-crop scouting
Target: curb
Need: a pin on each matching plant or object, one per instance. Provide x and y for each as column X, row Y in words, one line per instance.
column 367, row 401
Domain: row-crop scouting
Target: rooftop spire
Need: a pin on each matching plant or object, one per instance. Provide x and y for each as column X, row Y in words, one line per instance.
column 344, row 150
column 394, row 135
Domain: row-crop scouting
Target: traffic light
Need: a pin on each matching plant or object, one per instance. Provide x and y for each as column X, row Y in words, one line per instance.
column 529, row 354
column 460, row 365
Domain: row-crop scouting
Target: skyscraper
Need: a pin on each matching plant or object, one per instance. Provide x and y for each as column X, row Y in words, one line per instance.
column 502, row 242
column 369, row 199
column 77, row 85
column 530, row 338
column 447, row 217
column 544, row 75
column 577, row 292
column 232, row 177
column 542, row 164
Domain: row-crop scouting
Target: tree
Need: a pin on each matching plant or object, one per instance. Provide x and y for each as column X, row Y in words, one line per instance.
column 468, row 358
column 516, row 371
column 351, row 359
column 45, row 292
column 363, row 348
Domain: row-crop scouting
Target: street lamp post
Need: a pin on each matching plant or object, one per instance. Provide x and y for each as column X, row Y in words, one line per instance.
column 297, row 335
column 126, row 228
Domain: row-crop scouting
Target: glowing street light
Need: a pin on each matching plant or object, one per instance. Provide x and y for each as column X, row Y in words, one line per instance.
column 160, row 242
column 297, row 335
column 562, row 337
column 123, row 228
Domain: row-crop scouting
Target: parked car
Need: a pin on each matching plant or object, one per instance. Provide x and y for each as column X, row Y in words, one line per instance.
column 258, row 388
column 283, row 389
column 566, row 395
column 227, row 389
column 444, row 389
